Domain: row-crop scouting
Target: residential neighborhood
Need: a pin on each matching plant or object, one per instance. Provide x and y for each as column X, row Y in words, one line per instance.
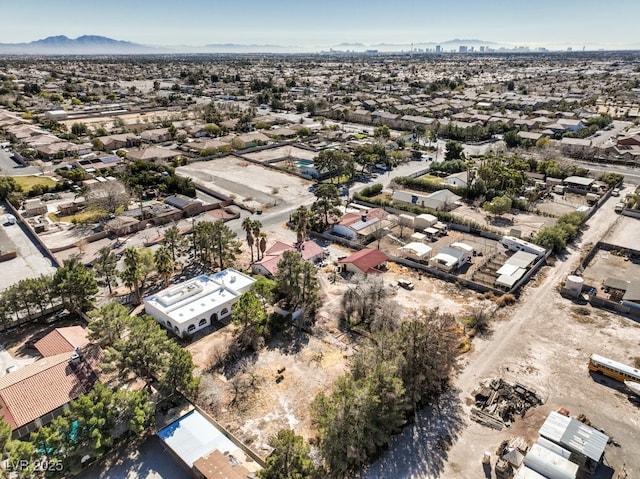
column 373, row 261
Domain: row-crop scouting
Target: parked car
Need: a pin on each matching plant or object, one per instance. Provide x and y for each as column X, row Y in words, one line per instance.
column 406, row 284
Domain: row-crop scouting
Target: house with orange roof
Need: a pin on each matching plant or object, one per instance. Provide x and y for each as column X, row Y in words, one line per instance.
column 33, row 396
column 268, row 265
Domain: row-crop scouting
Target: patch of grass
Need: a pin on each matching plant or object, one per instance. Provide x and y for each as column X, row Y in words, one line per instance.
column 85, row 217
column 28, row 182
column 434, row 179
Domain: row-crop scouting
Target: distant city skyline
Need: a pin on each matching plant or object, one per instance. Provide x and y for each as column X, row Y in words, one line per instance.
column 555, row 24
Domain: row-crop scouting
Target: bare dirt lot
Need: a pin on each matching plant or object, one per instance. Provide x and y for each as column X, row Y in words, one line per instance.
column 308, row 363
column 281, row 152
column 559, row 205
column 527, row 223
column 286, row 377
column 250, row 184
column 608, row 264
column 625, row 233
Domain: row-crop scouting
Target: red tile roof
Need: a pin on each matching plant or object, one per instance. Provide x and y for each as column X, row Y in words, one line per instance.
column 308, row 249
column 47, row 384
column 62, row 340
column 366, row 260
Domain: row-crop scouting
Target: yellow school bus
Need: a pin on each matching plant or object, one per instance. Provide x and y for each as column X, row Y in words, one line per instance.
column 613, row 369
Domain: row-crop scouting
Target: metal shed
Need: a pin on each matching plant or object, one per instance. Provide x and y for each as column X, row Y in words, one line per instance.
column 583, row 441
column 550, row 464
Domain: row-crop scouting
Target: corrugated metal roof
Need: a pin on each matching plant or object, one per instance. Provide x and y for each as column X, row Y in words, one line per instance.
column 574, row 435
column 521, row 259
column 550, row 464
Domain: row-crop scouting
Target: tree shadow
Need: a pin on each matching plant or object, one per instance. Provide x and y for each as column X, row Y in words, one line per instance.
column 420, row 450
column 289, row 341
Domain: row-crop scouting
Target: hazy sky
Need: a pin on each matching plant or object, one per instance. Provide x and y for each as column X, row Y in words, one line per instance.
column 327, row 22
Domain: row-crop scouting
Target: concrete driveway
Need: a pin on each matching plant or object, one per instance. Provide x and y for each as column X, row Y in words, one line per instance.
column 150, row 461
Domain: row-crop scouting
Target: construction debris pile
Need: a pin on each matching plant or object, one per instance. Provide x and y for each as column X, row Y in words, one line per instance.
column 510, row 455
column 498, row 403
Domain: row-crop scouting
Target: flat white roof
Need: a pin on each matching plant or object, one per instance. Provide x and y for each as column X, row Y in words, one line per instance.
column 192, row 298
column 418, row 236
column 233, row 279
column 192, row 436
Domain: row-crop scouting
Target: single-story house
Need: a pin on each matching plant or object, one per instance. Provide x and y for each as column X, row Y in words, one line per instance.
column 157, row 135
column 365, row 261
column 458, row 179
column 441, row 200
column 362, row 225
column 529, row 136
column 34, row 207
column 415, row 250
column 122, row 225
column 195, row 304
column 579, row 184
column 34, row 395
column 206, row 450
column 115, row 142
column 207, row 144
column 268, row 264
column 152, row 153
column 282, row 132
column 424, row 220
column 571, row 124
column 188, row 206
column 252, row 139
column 449, row 259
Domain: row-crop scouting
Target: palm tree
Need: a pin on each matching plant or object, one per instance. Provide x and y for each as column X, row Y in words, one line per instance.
column 164, row 264
column 263, row 243
column 174, row 241
column 133, row 272
column 301, row 218
column 106, row 267
column 247, row 226
column 256, row 231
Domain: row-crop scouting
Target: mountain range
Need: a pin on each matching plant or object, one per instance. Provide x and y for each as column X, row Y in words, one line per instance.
column 99, row 45
column 84, row 45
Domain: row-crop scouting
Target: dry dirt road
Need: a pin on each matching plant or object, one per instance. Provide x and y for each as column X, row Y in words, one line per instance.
column 541, row 344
